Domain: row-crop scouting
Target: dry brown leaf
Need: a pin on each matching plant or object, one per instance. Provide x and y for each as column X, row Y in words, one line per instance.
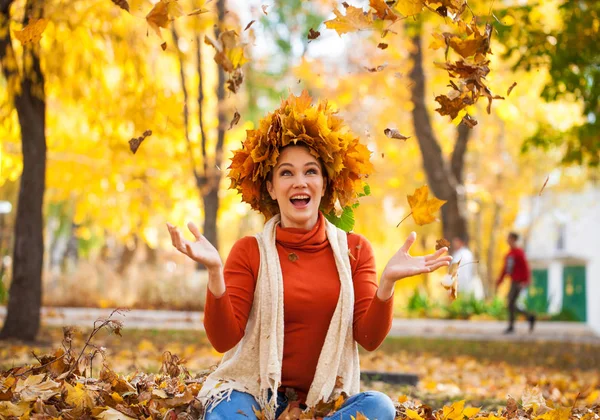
column 511, row 88
column 393, row 133
column 292, row 257
column 122, row 4
column 249, row 25
column 382, row 45
column 264, row 8
column 235, row 119
column 135, row 143
column 442, row 243
column 312, row 34
column 376, row 69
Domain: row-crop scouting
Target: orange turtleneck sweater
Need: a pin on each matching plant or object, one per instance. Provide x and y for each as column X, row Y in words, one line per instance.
column 311, row 289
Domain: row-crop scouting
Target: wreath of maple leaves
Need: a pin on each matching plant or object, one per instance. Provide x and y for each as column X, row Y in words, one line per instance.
column 345, row 160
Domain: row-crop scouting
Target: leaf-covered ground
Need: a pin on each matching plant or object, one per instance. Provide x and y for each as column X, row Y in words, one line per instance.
column 133, row 376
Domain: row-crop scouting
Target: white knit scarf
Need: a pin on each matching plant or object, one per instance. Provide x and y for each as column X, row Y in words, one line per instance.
column 254, row 364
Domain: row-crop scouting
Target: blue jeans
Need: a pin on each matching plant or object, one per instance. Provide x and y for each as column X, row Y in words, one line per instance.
column 373, row 404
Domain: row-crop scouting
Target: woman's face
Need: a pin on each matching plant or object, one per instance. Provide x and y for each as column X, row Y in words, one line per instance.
column 297, row 185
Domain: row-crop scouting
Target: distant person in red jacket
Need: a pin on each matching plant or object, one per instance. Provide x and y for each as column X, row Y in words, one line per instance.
column 515, row 265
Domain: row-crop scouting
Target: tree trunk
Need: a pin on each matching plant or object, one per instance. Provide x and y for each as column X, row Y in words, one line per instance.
column 210, row 192
column 491, row 275
column 127, row 256
column 25, row 295
column 444, row 177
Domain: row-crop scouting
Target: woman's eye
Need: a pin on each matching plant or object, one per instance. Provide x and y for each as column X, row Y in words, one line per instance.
column 312, row 171
column 285, row 173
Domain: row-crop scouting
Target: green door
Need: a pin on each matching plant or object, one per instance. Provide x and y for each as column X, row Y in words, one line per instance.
column 537, row 292
column 574, row 299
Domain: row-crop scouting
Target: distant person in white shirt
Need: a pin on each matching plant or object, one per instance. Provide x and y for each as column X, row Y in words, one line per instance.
column 468, row 282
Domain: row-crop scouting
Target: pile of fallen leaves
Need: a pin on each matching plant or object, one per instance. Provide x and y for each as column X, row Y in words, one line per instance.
column 61, row 386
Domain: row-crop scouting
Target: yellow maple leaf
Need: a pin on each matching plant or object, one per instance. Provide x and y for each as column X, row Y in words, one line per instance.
column 563, row 413
column 454, row 412
column 412, row 414
column 9, row 409
column 32, row 32
column 424, row 209
column 409, row 7
column 471, row 412
column 355, row 20
column 78, row 396
column 359, row 416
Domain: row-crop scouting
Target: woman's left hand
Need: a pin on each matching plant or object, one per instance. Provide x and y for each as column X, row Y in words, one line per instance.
column 403, row 265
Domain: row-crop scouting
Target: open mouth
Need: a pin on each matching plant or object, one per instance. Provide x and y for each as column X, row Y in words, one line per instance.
column 300, row 201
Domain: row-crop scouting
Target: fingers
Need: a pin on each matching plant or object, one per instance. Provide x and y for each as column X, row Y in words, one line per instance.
column 409, row 241
column 176, row 238
column 437, row 265
column 436, row 254
column 195, row 231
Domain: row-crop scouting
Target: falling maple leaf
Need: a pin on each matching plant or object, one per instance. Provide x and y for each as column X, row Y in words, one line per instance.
column 235, row 119
column 264, row 8
column 450, row 282
column 393, row 133
column 382, row 45
column 312, row 34
column 442, row 243
column 122, row 4
column 409, row 7
column 161, row 14
column 135, row 143
column 376, row 69
column 249, row 25
column 229, row 54
column 383, row 11
column 354, row 20
column 424, row 209
column 32, row 33
column 511, row 88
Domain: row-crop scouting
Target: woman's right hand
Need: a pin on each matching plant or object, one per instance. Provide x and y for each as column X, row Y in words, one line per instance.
column 201, row 250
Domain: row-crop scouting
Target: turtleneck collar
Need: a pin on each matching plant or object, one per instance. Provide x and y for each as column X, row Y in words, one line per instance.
column 312, row 240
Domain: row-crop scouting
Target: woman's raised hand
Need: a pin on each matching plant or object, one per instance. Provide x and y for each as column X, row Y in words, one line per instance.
column 201, row 250
column 403, row 265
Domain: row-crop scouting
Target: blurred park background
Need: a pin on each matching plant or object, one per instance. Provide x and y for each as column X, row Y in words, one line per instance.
column 107, row 80
column 82, row 217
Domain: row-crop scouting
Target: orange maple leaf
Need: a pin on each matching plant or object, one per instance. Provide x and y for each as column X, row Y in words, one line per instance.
column 383, row 11
column 31, row 33
column 424, row 209
column 161, row 14
column 355, row 20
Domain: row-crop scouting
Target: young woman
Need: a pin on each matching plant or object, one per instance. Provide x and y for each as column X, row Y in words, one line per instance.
column 291, row 303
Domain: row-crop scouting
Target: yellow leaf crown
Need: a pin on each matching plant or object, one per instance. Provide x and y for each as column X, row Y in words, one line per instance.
column 345, row 160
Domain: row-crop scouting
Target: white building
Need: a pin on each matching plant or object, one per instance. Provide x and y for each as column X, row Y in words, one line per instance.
column 563, row 248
